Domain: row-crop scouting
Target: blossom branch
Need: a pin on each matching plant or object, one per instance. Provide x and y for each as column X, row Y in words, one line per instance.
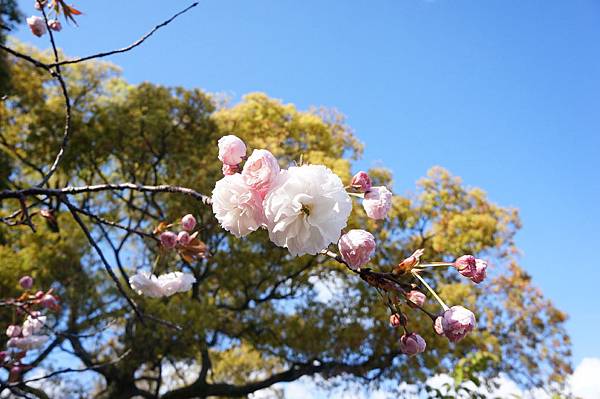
column 51, row 192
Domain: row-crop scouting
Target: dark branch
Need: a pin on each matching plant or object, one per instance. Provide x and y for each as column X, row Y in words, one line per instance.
column 130, row 47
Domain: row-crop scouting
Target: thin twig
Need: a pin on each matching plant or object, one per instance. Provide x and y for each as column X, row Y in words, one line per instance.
column 130, row 47
column 59, row 192
column 107, row 265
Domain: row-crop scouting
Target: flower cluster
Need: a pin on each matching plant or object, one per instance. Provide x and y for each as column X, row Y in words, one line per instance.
column 454, row 322
column 187, row 245
column 32, row 333
column 185, row 242
column 160, row 286
column 303, row 208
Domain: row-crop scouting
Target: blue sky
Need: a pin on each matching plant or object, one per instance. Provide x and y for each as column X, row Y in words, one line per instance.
column 503, row 93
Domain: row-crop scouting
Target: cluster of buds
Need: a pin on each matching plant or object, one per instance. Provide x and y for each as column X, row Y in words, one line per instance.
column 38, row 25
column 357, row 247
column 29, row 334
column 185, row 242
column 377, row 200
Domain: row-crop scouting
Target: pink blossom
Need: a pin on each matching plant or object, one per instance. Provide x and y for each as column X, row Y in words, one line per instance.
column 231, row 150
column 55, row 25
column 26, row 282
column 466, row 265
column 229, row 170
column 377, row 202
column 480, row 271
column 39, row 294
column 14, row 374
column 457, row 322
column 395, row 320
column 183, row 238
column 27, row 343
column 39, row 4
column 357, row 248
column 188, row 222
column 361, row 181
column 3, row 356
column 416, row 298
column 49, row 301
column 13, row 331
column 36, row 25
column 412, row 344
column 168, row 239
column 260, row 170
column 237, row 207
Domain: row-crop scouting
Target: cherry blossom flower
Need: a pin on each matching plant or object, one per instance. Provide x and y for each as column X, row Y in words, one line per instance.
column 232, row 150
column 412, row 344
column 260, row 170
column 229, row 169
column 416, row 298
column 357, row 247
column 480, row 271
column 164, row 285
column 26, row 282
column 13, row 331
column 27, row 343
column 466, row 265
column 36, row 25
column 168, row 239
column 361, row 181
column 183, row 238
column 55, row 25
column 457, row 322
column 236, row 206
column 33, row 324
column 306, row 209
column 188, row 222
column 395, row 320
column 378, row 202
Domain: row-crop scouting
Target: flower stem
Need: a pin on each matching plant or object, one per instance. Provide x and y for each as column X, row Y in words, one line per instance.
column 436, row 264
column 435, row 295
column 361, row 195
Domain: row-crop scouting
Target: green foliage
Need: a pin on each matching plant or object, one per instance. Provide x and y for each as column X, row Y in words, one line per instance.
column 9, row 16
column 256, row 311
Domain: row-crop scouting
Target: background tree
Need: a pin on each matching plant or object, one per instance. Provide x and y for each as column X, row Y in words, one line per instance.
column 256, row 316
column 9, row 16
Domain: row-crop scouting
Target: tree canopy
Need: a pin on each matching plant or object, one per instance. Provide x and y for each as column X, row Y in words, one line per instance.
column 256, row 316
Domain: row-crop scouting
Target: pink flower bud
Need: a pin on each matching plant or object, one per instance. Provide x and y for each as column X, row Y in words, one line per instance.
column 457, row 322
column 412, row 344
column 361, row 181
column 36, row 25
column 229, row 170
column 438, row 327
column 188, row 222
column 416, row 298
column 357, row 248
column 39, row 294
column 377, row 202
column 39, row 4
column 480, row 271
column 231, row 150
column 3, row 356
column 49, row 302
column 55, row 25
column 395, row 320
column 168, row 239
column 466, row 265
column 183, row 238
column 260, row 170
column 26, row 282
column 13, row 331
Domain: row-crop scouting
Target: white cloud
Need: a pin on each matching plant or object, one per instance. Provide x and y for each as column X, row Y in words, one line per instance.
column 585, row 381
